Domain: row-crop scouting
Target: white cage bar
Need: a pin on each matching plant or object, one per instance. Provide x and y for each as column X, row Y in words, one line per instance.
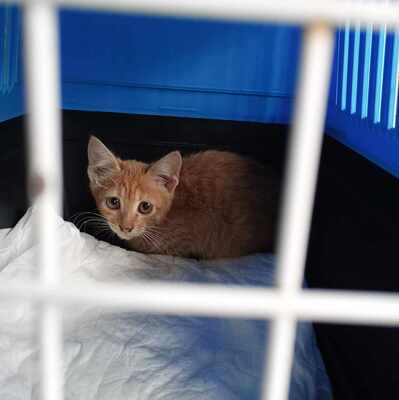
column 300, row 186
column 285, row 304
column 45, row 177
column 335, row 12
column 343, row 306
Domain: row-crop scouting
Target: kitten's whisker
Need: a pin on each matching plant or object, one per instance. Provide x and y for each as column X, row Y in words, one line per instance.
column 146, row 241
column 157, row 228
column 83, row 217
column 86, row 221
column 150, row 241
column 83, row 214
column 155, row 238
column 155, row 241
column 156, row 235
column 100, row 226
column 101, row 231
column 92, row 220
column 154, row 248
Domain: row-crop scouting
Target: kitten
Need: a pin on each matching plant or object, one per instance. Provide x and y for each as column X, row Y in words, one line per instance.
column 211, row 204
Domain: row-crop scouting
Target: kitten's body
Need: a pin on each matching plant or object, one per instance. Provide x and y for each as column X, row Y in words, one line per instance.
column 223, row 205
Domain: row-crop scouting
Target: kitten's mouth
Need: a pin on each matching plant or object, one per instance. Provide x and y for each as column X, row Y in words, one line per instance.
column 127, row 235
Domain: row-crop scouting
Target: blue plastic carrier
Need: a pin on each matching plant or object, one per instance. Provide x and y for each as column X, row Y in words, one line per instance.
column 247, row 72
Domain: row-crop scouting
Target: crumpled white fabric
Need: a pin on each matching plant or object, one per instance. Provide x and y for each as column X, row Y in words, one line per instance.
column 127, row 356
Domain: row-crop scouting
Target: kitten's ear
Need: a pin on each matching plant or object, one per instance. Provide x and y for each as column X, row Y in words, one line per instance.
column 102, row 163
column 166, row 171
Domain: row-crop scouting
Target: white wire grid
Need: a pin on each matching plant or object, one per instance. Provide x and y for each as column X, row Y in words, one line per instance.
column 285, row 304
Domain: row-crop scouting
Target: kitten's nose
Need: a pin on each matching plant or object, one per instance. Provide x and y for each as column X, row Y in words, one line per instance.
column 127, row 228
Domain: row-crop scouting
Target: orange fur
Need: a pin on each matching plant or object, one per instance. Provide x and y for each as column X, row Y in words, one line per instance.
column 218, row 204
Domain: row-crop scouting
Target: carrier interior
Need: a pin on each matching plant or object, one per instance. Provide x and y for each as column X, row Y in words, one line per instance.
column 153, row 85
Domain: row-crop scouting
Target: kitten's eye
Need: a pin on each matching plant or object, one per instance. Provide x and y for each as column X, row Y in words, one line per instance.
column 113, row 203
column 145, row 207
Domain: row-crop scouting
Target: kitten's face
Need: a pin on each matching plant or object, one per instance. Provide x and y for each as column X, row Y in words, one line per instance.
column 132, row 196
column 132, row 202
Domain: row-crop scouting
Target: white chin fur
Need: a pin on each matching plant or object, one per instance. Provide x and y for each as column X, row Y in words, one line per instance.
column 124, row 236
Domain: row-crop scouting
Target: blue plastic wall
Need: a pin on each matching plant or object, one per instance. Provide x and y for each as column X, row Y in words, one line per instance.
column 164, row 66
column 363, row 106
column 146, row 65
column 11, row 93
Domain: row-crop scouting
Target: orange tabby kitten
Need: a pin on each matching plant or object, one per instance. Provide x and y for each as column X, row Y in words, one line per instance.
column 207, row 205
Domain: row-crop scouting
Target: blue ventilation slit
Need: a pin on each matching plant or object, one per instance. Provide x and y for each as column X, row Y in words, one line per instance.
column 345, row 68
column 366, row 71
column 393, row 92
column 380, row 74
column 355, row 69
column 16, row 48
column 5, row 50
column 338, row 61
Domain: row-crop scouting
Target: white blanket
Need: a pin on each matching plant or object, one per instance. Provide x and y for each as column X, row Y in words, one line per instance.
column 126, row 356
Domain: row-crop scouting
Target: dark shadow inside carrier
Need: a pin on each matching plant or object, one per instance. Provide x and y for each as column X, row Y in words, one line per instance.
column 354, row 228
